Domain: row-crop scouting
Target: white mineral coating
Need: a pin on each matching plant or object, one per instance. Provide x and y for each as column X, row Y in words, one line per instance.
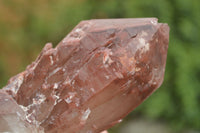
column 85, row 115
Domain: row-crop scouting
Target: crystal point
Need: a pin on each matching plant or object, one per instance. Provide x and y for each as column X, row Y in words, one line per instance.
column 93, row 78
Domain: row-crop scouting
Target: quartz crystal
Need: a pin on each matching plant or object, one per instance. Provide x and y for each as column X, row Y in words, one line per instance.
column 92, row 79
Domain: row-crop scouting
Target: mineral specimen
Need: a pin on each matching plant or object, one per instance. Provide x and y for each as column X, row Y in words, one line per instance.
column 95, row 76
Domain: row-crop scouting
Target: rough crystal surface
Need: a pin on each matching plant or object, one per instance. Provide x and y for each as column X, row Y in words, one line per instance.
column 13, row 118
column 95, row 76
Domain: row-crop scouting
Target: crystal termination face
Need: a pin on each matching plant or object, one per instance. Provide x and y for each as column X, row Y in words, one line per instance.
column 92, row 79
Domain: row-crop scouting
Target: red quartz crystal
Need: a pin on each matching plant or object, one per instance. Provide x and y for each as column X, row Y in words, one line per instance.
column 95, row 76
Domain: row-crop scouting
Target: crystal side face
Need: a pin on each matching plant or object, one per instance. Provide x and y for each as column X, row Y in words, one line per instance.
column 94, row 77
